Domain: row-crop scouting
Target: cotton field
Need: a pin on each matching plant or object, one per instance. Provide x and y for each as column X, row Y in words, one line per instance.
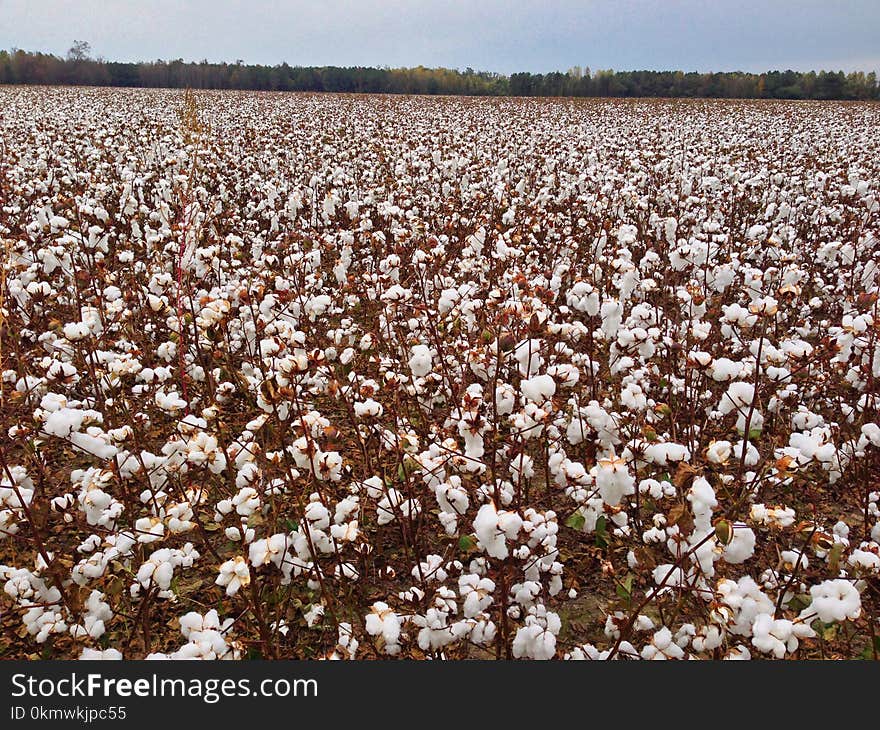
column 369, row 377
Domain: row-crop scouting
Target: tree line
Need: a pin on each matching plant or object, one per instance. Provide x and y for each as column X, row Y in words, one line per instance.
column 23, row 67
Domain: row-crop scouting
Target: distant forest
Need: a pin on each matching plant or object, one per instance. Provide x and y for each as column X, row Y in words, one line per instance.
column 22, row 67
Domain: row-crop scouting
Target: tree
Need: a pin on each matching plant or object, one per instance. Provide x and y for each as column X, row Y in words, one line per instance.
column 79, row 51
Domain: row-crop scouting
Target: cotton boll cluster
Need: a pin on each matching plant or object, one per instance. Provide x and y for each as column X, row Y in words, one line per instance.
column 99, row 507
column 453, row 502
column 16, row 493
column 71, row 423
column 92, row 655
column 835, row 600
column 346, row 645
column 234, row 575
column 384, row 624
column 537, row 638
column 494, row 528
column 207, row 638
column 96, row 614
column 158, row 570
column 662, row 647
column 43, row 613
column 778, row 636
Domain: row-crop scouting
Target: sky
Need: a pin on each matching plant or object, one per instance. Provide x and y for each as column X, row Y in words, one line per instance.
column 692, row 35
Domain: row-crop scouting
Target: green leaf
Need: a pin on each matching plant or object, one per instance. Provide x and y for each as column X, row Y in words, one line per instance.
column 754, row 434
column 868, row 652
column 576, row 521
column 466, row 543
column 601, row 533
column 800, row 601
column 624, row 588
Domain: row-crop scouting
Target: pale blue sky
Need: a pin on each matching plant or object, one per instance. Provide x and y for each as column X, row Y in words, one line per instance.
column 724, row 35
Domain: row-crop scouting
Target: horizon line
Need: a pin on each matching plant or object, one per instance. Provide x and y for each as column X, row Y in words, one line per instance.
column 386, row 67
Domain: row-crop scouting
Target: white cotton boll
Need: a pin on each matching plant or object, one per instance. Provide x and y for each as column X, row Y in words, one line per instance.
column 778, row 636
column 64, row 421
column 708, row 638
column 149, row 529
column 234, row 574
column 347, row 356
column 663, row 454
column 668, row 574
column 368, row 409
column 347, row 571
column 317, row 306
column 835, row 600
column 755, row 423
column 613, row 480
column 92, row 655
column 662, row 647
column 723, row 370
column 317, row 514
column 698, row 358
column 314, row 614
column 790, row 558
column 528, row 357
column 537, row 639
column 374, row 486
column 746, row 600
column 739, row 396
column 670, row 227
column 473, row 444
column 539, row 388
column 719, row 452
column 583, row 298
column 741, row 546
column 477, row 594
column 752, row 455
column 593, row 418
column 510, row 523
column 246, row 501
column 385, row 508
column 522, row 468
column 74, row 331
column 93, row 445
column 703, row 502
column 420, row 361
column 565, row 374
column 382, row 621
column 488, row 532
column 864, row 560
column 871, row 431
column 170, row 402
column 505, row 399
column 612, row 314
column 633, row 397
